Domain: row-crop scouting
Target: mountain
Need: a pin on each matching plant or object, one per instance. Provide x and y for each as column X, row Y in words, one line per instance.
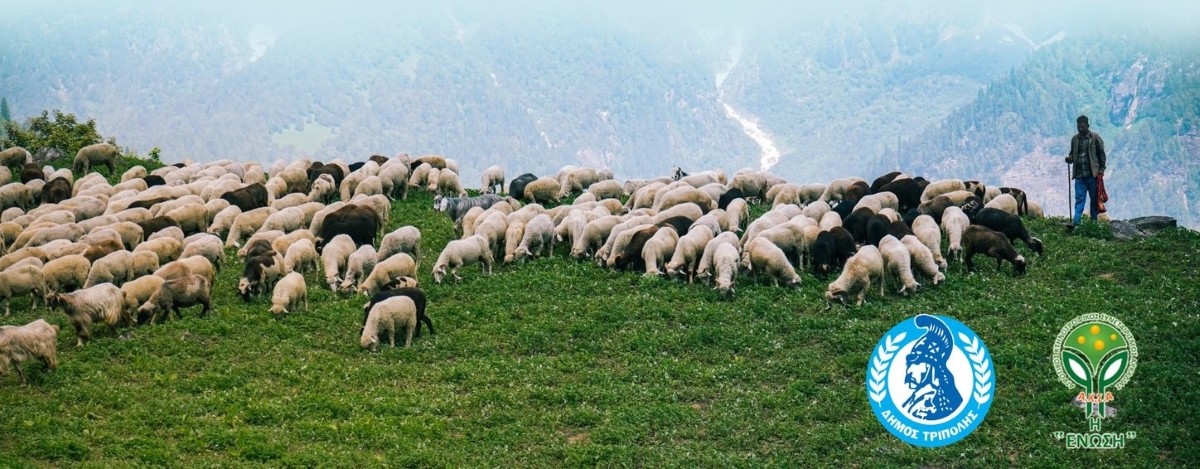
column 1142, row 95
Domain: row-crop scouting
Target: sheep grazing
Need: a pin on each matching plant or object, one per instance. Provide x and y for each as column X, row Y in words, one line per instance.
column 688, row 252
column 101, row 153
column 462, row 252
column 606, row 189
column 418, row 297
column 764, row 256
column 983, row 240
column 167, row 249
column 954, row 223
column 943, row 186
column 861, row 269
column 207, row 246
column 543, row 191
column 1023, row 203
column 104, row 303
column 492, row 181
column 385, row 317
column 658, row 249
column 1010, row 225
column 537, row 240
column 15, row 156
column 288, row 295
column 822, row 249
column 706, row 263
column 922, row 259
column 897, row 266
column 67, row 272
column 387, row 270
column 197, row 265
column 1003, row 202
column 37, row 340
column 626, row 250
column 594, row 235
column 261, row 271
column 178, row 293
column 725, row 263
column 301, row 257
column 359, row 265
column 21, row 281
column 137, row 291
column 334, row 257
column 928, row 232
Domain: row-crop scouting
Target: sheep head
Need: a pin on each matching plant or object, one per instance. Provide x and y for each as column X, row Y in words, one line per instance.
column 1019, row 265
column 439, row 273
column 245, row 287
column 278, row 310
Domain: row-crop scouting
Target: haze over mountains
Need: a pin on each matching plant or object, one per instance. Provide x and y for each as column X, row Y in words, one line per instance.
column 858, row 88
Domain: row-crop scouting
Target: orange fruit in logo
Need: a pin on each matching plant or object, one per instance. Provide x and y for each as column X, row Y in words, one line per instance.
column 1081, row 340
column 1112, row 337
column 1095, row 330
column 1099, row 345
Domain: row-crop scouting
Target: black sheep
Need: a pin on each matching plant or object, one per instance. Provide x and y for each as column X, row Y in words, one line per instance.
column 907, row 191
column 30, row 172
column 148, row 202
column 856, row 223
column 157, row 223
column 881, row 181
column 823, row 255
column 358, row 222
column 57, row 190
column 729, row 196
column 899, row 229
column 418, row 297
column 983, row 240
column 680, row 224
column 843, row 245
column 516, row 187
column 1009, row 224
column 247, row 198
column 154, row 180
column 356, row 166
column 877, row 228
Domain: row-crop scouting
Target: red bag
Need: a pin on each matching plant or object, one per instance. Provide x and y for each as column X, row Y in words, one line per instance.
column 1102, row 194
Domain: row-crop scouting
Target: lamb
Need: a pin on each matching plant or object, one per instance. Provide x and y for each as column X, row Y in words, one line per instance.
column 406, row 239
column 462, row 252
column 658, row 249
column 282, row 243
column 20, row 281
column 137, row 291
column 178, row 293
column 688, row 252
column 358, row 265
column 706, row 263
column 865, row 266
column 301, row 257
column 369, row 186
column 334, row 257
column 36, row 340
column 207, row 246
column 387, row 270
column 543, row 191
column 449, row 184
column 167, row 249
column 922, row 259
column 103, row 302
column 538, row 238
column 725, row 262
column 983, row 240
column 65, row 272
column 385, row 317
column 1009, row 224
column 100, row 153
column 492, row 180
column 943, row 186
column 1003, row 202
column 954, row 223
column 288, row 295
column 897, row 263
column 764, row 256
column 928, row 232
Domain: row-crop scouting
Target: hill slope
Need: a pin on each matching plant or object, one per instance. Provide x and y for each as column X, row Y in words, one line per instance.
column 560, row 363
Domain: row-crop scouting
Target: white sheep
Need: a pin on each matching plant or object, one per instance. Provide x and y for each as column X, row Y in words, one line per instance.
column 37, row 340
column 286, row 220
column 739, row 214
column 172, row 232
column 460, row 253
column 432, row 179
column 207, row 246
column 196, row 265
column 334, row 256
column 543, row 190
column 387, row 270
column 762, row 255
column 294, row 199
column 301, row 257
column 606, row 189
column 368, row 186
column 897, row 266
column 323, row 189
column 659, row 249
column 954, row 223
column 594, row 235
column 385, row 317
column 192, row 218
column 142, row 263
column 1004, row 202
column 178, row 293
column 137, row 291
column 705, row 266
column 923, row 262
column 725, row 263
column 943, row 186
column 103, row 302
column 112, row 268
column 395, row 180
column 167, row 249
column 688, row 252
column 406, row 239
column 449, row 184
column 538, row 238
column 420, row 176
column 836, row 190
column 130, row 233
column 65, row 272
column 21, row 281
column 492, row 181
column 360, row 263
column 246, row 224
column 860, row 270
column 928, row 232
column 512, row 238
column 570, row 227
column 289, row 293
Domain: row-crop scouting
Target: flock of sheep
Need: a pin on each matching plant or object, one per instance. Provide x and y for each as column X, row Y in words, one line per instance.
column 152, row 244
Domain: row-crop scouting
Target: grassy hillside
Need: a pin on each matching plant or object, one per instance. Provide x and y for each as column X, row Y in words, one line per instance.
column 557, row 363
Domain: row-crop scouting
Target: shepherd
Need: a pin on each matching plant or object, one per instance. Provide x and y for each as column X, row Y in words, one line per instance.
column 1087, row 158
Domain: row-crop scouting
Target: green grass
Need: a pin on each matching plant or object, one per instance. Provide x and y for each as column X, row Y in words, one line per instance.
column 558, row 363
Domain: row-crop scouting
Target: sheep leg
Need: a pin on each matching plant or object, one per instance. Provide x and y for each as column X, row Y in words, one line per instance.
column 408, row 338
column 20, row 372
column 207, row 306
column 970, row 264
column 425, row 319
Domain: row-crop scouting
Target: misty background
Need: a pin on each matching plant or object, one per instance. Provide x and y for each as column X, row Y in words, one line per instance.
column 811, row 93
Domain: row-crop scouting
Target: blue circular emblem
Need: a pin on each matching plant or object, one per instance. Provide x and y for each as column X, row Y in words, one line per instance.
column 930, row 381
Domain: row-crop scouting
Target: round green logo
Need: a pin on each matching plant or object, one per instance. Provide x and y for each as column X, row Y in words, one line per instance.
column 1097, row 353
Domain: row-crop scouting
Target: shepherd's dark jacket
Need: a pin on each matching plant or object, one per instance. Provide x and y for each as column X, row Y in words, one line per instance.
column 1094, row 147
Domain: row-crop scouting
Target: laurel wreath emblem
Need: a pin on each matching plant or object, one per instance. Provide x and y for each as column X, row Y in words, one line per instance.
column 883, row 358
column 977, row 354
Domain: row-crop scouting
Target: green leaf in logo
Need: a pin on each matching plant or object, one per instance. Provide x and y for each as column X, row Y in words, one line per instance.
column 1078, row 369
column 1112, row 369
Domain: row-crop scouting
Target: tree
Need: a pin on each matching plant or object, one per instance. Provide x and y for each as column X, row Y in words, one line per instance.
column 60, row 131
